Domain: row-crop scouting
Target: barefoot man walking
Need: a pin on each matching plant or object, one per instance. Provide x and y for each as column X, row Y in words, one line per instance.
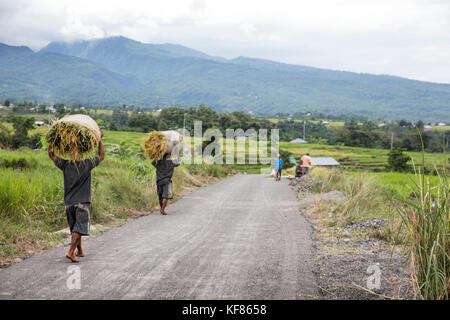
column 77, row 196
column 164, row 173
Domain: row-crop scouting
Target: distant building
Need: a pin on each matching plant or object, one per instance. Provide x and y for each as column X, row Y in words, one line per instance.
column 441, row 124
column 39, row 123
column 52, row 110
column 3, row 107
column 382, row 125
column 327, row 162
column 159, row 110
column 298, row 140
column 427, row 128
column 325, row 122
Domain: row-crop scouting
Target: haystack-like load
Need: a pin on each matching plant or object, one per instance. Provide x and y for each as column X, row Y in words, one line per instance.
column 159, row 143
column 73, row 136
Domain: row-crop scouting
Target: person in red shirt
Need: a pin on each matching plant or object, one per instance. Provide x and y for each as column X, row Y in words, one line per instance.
column 305, row 164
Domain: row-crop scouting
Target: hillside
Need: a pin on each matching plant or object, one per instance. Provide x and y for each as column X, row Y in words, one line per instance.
column 53, row 77
column 119, row 70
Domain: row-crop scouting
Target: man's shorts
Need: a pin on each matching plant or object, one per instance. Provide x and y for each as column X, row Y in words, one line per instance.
column 305, row 170
column 165, row 190
column 78, row 217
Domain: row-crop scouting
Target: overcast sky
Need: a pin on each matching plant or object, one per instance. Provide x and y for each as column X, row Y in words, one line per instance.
column 409, row 38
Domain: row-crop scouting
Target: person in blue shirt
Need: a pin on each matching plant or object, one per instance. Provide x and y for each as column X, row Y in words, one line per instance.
column 278, row 167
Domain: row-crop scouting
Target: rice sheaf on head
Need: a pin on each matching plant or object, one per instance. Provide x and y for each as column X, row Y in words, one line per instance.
column 155, row 145
column 67, row 139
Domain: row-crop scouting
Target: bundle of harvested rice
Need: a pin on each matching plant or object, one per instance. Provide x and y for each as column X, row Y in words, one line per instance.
column 155, row 145
column 71, row 137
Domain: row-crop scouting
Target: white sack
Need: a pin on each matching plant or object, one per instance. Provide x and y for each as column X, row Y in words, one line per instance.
column 173, row 138
column 85, row 121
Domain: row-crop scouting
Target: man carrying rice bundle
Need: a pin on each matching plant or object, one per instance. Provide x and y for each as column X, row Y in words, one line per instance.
column 77, row 195
column 164, row 173
column 158, row 146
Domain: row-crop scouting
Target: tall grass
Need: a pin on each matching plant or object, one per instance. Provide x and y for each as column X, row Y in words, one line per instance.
column 426, row 217
column 365, row 198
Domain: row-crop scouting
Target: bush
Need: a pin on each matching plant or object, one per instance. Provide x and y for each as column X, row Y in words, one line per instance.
column 397, row 160
column 288, row 159
column 20, row 137
column 19, row 163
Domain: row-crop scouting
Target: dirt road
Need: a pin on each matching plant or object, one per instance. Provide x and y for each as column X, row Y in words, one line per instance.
column 241, row 238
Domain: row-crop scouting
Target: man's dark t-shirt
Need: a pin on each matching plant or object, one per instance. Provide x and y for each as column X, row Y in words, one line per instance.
column 164, row 170
column 77, row 179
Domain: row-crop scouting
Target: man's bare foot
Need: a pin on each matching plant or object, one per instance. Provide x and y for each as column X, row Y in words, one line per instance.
column 163, row 213
column 72, row 258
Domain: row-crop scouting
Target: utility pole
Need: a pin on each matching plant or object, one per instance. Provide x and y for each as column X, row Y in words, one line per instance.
column 392, row 140
column 304, row 122
column 184, row 122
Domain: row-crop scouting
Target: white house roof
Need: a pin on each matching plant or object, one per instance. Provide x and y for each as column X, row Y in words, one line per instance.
column 324, row 161
column 298, row 140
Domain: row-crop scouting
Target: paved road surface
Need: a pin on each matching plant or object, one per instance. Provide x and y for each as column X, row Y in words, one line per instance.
column 241, row 238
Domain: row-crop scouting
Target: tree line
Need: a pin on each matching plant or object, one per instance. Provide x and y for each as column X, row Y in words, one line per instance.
column 356, row 132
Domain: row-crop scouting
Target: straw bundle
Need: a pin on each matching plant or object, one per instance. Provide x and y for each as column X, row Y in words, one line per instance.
column 155, row 145
column 71, row 139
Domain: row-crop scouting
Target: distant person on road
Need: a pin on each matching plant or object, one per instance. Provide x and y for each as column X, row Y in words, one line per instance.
column 278, row 167
column 305, row 164
column 164, row 173
column 77, row 196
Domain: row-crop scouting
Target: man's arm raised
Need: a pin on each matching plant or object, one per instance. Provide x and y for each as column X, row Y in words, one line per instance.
column 51, row 154
column 101, row 150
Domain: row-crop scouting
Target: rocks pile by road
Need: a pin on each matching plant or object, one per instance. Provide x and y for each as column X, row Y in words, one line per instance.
column 304, row 183
column 375, row 223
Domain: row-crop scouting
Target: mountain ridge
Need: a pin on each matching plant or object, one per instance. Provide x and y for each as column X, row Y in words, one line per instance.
column 122, row 70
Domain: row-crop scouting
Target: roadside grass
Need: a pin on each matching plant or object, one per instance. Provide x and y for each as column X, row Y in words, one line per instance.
column 32, row 192
column 369, row 195
column 425, row 213
column 416, row 207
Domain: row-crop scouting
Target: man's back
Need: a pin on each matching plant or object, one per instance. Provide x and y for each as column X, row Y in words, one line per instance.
column 77, row 179
column 164, row 170
column 306, row 161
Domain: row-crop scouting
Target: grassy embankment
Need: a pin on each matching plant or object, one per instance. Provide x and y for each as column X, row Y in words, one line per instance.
column 416, row 207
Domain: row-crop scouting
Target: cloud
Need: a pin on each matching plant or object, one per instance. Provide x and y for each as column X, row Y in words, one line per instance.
column 408, row 38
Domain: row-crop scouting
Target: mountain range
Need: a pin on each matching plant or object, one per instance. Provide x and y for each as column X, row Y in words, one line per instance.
column 119, row 70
